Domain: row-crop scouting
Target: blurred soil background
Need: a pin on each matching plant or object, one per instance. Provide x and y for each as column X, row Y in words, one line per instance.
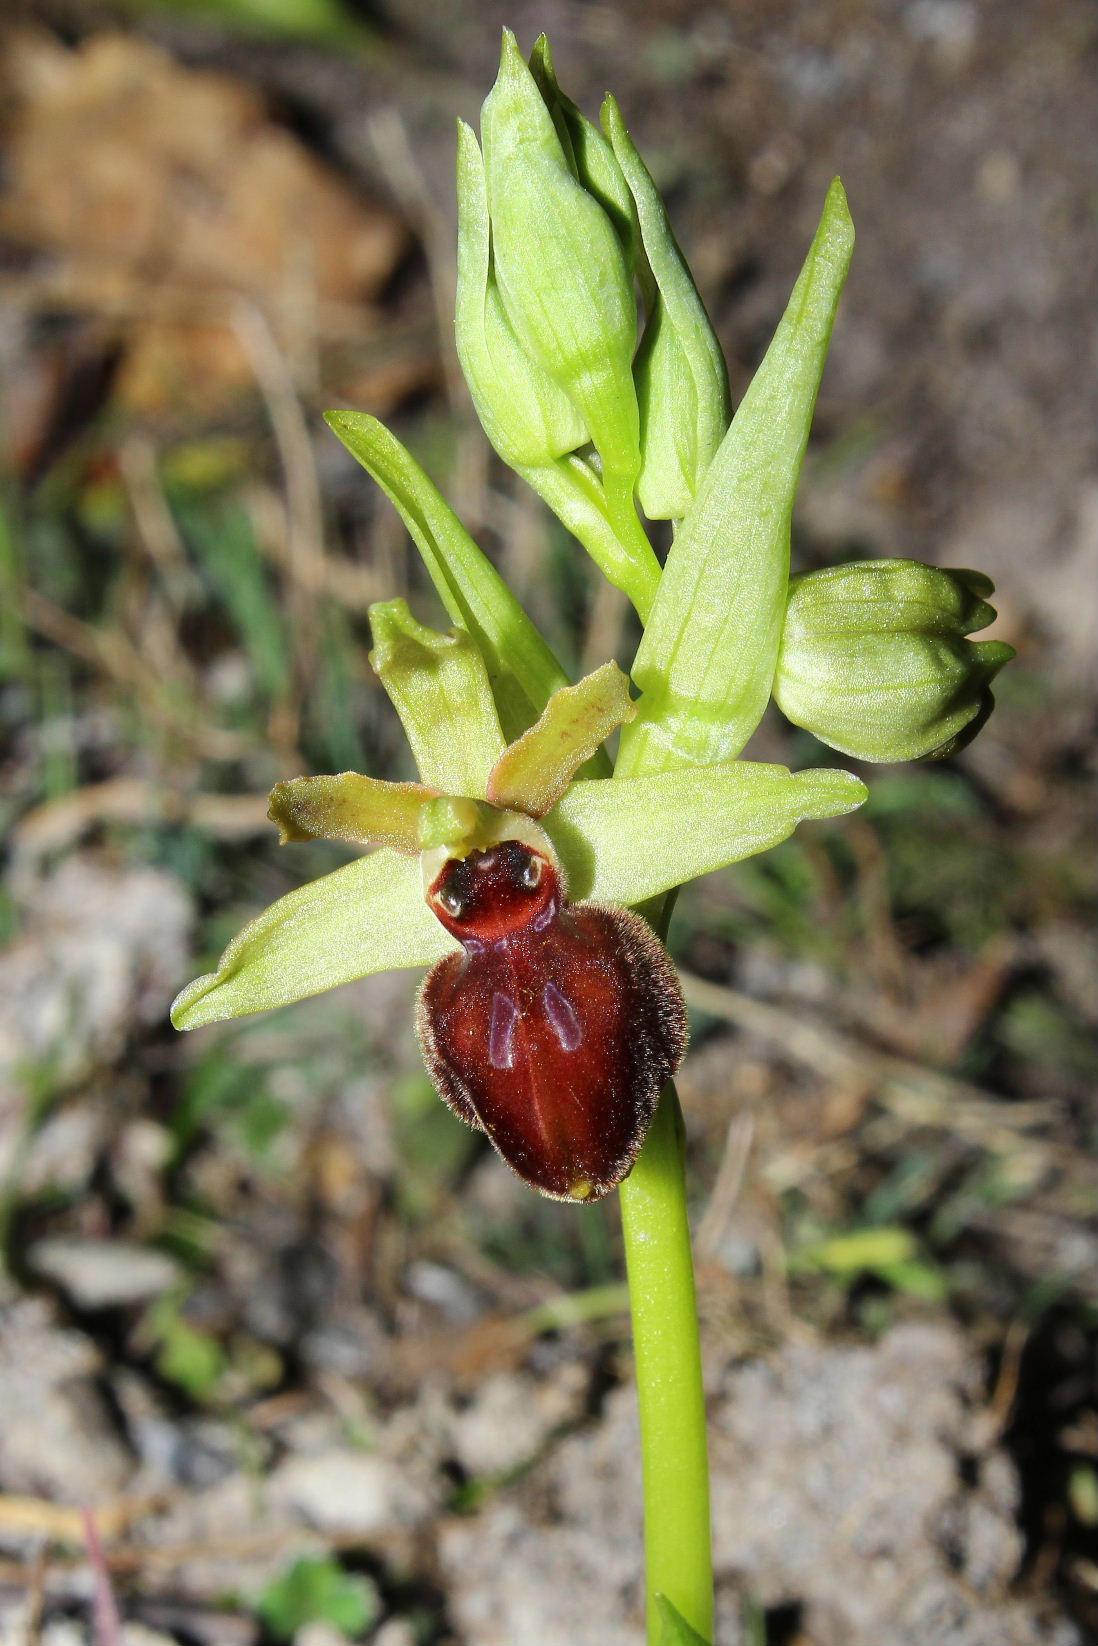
column 321, row 1368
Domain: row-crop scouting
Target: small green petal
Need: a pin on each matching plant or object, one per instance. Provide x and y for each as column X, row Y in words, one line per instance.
column 368, row 917
column 439, row 686
column 706, row 663
column 348, row 806
column 533, row 773
column 631, row 838
column 523, row 671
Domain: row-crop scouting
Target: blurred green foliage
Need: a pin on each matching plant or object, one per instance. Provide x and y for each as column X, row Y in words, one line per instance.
column 316, row 1589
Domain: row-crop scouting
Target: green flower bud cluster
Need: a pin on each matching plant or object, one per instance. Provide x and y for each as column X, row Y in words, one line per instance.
column 589, row 356
column 874, row 659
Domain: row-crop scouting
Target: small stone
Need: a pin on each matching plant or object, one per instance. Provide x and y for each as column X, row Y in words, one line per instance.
column 320, row 1634
column 511, row 1418
column 349, row 1494
column 57, row 1435
column 103, row 1274
column 397, row 1632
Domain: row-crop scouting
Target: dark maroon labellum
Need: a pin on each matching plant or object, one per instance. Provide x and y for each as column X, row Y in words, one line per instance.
column 557, row 1028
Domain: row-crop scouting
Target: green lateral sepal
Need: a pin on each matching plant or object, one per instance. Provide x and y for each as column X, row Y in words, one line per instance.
column 368, row 917
column 629, row 839
column 706, row 663
column 439, row 686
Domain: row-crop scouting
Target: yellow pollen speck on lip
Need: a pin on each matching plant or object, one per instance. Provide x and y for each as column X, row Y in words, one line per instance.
column 581, row 1189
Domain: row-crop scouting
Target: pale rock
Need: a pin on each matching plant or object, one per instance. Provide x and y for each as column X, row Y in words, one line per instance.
column 103, row 1274
column 349, row 1494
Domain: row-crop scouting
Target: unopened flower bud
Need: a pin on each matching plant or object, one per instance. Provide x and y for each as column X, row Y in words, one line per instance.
column 524, row 412
column 679, row 372
column 875, row 663
column 562, row 273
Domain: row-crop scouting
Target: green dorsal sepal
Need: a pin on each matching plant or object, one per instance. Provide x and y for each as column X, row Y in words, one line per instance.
column 439, row 686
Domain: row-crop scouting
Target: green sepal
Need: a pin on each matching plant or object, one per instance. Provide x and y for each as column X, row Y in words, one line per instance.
column 874, row 660
column 439, row 686
column 562, row 273
column 631, row 838
column 367, row 917
column 525, row 414
column 590, row 156
column 679, row 372
column 706, row 663
column 674, row 1629
column 533, row 773
column 348, row 806
column 523, row 671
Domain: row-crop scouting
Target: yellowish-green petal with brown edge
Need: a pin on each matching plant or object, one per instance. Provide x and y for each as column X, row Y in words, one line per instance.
column 631, row 838
column 533, row 773
column 351, row 807
column 367, row 917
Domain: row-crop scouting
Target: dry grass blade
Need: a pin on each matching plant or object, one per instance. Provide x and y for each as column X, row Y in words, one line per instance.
column 911, row 1092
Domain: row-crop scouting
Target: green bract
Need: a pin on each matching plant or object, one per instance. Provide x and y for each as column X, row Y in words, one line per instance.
column 706, row 663
column 874, row 659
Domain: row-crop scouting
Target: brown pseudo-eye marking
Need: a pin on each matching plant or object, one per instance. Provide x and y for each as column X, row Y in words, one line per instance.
column 556, row 1029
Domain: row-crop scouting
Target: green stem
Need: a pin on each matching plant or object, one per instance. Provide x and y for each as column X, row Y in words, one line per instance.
column 669, row 1382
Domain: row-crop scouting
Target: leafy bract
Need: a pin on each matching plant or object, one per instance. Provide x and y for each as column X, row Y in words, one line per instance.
column 674, row 1629
column 523, row 671
column 706, row 663
column 367, row 917
column 628, row 840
